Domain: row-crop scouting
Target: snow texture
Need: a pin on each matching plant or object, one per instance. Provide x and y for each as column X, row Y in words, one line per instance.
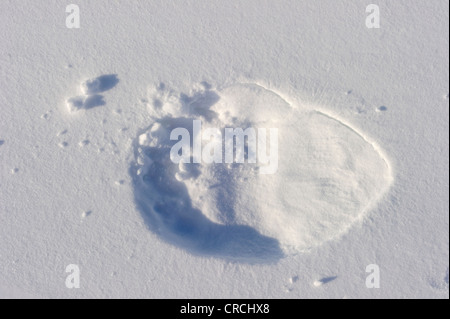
column 363, row 168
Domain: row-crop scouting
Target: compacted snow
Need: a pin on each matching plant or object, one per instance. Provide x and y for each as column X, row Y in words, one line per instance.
column 115, row 158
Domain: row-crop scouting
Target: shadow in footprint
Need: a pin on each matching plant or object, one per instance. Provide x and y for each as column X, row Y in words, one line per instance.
column 2, row 142
column 199, row 104
column 93, row 101
column 327, row 280
column 107, row 82
column 167, row 208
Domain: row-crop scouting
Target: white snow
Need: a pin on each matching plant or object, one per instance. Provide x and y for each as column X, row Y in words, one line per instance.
column 362, row 173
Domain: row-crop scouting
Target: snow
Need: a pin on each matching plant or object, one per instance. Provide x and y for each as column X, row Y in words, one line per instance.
column 362, row 178
column 326, row 176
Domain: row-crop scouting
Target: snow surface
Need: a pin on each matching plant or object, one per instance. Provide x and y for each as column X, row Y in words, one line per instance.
column 363, row 120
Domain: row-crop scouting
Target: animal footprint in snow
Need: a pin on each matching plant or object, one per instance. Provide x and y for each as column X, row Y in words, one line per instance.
column 90, row 90
column 328, row 174
column 84, row 102
column 324, row 281
column 99, row 85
